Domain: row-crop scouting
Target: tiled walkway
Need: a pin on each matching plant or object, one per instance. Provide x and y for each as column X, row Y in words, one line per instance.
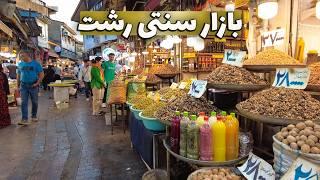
column 66, row 144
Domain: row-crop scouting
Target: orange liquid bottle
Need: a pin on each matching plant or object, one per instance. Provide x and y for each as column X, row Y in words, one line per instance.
column 232, row 137
column 219, row 140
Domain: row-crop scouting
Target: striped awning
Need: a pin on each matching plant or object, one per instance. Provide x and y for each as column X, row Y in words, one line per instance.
column 4, row 28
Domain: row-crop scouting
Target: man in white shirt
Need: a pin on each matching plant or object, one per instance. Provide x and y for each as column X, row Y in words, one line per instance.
column 85, row 77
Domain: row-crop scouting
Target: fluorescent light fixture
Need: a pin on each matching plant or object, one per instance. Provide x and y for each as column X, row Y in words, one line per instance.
column 145, row 52
column 230, row 6
column 267, row 9
column 134, row 53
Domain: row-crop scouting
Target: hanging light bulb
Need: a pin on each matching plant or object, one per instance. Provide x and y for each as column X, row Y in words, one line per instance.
column 190, row 41
column 230, row 6
column 318, row 9
column 199, row 44
column 267, row 9
column 145, row 52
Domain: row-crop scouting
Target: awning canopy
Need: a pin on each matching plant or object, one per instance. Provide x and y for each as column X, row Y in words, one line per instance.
column 5, row 29
column 53, row 54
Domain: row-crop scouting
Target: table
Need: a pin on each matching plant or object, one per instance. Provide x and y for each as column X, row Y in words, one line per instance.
column 144, row 141
column 60, row 92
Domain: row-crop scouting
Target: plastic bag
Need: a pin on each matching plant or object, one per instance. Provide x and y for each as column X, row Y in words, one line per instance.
column 118, row 93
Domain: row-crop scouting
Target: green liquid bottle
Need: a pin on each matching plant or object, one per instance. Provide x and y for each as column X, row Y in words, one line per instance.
column 183, row 134
column 193, row 139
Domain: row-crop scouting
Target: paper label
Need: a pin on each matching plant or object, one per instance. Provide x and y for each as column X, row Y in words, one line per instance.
column 183, row 85
column 198, row 87
column 256, row 168
column 234, row 57
column 303, row 170
column 174, row 85
column 295, row 78
column 273, row 38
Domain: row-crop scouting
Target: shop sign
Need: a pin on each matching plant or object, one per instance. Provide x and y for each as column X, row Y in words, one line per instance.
column 149, row 24
column 273, row 38
column 174, row 85
column 106, row 52
column 189, row 55
column 294, row 78
column 302, row 169
column 198, row 87
column 256, row 168
column 234, row 57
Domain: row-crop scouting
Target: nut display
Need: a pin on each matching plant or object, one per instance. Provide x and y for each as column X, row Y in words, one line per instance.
column 284, row 104
column 304, row 136
column 143, row 103
column 272, row 57
column 185, row 103
column 136, row 98
column 227, row 74
column 173, row 93
column 215, row 173
column 163, row 69
column 151, row 78
column 314, row 74
column 150, row 110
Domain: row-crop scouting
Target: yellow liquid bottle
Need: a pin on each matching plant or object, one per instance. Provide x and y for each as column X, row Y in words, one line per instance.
column 232, row 137
column 219, row 140
column 200, row 119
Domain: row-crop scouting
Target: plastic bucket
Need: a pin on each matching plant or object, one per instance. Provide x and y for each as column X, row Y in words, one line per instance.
column 135, row 112
column 152, row 123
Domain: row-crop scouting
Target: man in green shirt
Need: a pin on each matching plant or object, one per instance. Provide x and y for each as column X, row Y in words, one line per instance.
column 109, row 68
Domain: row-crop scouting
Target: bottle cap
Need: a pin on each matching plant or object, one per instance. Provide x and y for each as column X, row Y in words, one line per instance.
column 213, row 113
column 185, row 114
column 233, row 114
column 206, row 118
column 177, row 113
column 223, row 113
column 202, row 114
column 193, row 117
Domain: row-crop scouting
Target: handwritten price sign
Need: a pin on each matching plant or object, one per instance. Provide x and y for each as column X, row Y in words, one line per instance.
column 234, row 57
column 302, row 169
column 273, row 38
column 198, row 87
column 296, row 78
column 257, row 169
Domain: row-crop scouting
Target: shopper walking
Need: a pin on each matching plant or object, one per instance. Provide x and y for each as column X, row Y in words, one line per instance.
column 109, row 68
column 48, row 77
column 85, row 77
column 97, row 85
column 4, row 92
column 30, row 75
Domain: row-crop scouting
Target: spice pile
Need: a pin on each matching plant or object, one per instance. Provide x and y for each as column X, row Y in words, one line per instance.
column 215, row 173
column 314, row 74
column 185, row 103
column 163, row 69
column 283, row 103
column 227, row 74
column 150, row 110
column 272, row 57
column 304, row 136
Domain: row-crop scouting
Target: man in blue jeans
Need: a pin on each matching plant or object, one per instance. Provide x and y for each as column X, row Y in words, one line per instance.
column 29, row 76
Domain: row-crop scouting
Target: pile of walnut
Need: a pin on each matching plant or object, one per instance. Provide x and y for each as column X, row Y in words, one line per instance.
column 216, row 173
column 304, row 136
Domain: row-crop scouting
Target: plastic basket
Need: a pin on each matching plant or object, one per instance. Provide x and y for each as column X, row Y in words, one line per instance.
column 135, row 112
column 152, row 123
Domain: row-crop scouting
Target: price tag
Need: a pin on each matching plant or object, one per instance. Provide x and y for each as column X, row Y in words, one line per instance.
column 234, row 57
column 273, row 38
column 256, row 168
column 183, row 85
column 174, row 85
column 296, row 78
column 198, row 87
column 303, row 170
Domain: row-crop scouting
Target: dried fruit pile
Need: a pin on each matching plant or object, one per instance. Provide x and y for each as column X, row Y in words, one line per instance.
column 163, row 69
column 173, row 93
column 150, row 111
column 304, row 136
column 151, row 78
column 314, row 74
column 185, row 103
column 227, row 74
column 215, row 173
column 272, row 57
column 283, row 103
